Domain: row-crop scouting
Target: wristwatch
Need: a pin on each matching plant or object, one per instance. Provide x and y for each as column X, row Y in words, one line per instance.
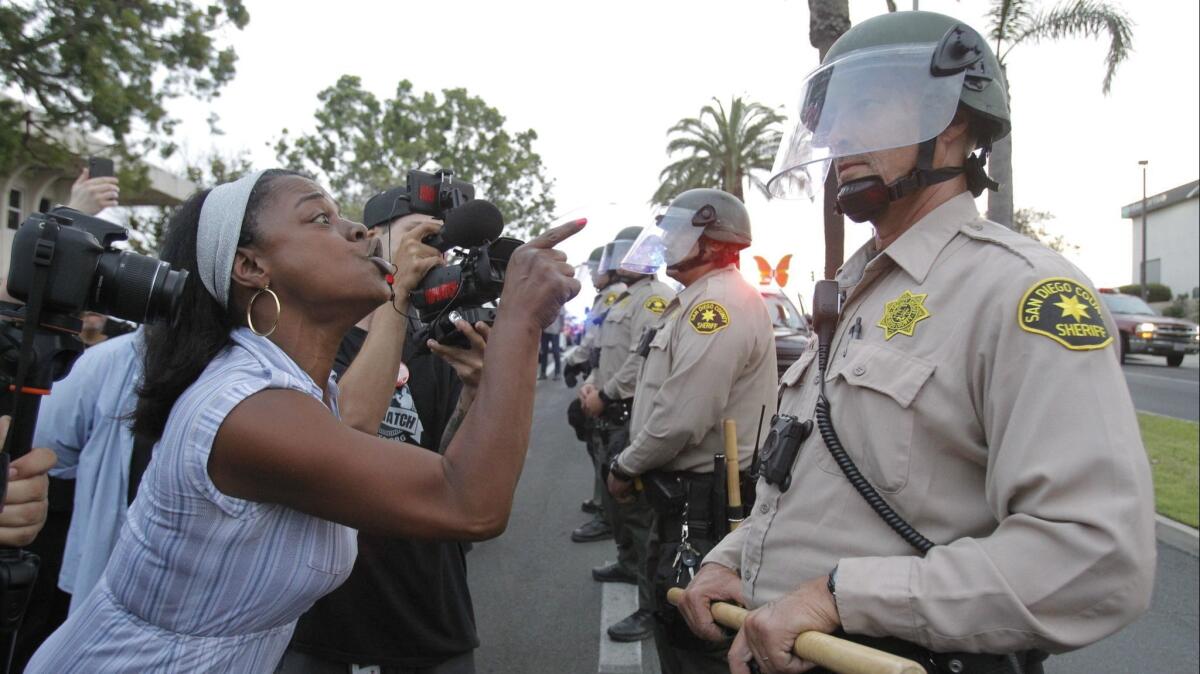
column 615, row 469
column 831, row 585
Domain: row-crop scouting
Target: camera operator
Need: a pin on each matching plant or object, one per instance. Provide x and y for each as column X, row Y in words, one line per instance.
column 247, row 514
column 406, row 606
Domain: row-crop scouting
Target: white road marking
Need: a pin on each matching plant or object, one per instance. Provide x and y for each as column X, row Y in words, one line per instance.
column 618, row 601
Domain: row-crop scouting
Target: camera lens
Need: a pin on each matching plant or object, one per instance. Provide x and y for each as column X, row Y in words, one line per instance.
column 136, row 287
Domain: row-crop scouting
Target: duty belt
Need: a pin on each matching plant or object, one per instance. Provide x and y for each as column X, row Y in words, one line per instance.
column 679, row 495
column 1025, row 662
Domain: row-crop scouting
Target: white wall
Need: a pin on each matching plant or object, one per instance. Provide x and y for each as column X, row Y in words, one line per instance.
column 1173, row 236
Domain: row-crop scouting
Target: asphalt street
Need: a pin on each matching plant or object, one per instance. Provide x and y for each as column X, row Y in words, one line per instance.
column 539, row 610
column 1157, row 388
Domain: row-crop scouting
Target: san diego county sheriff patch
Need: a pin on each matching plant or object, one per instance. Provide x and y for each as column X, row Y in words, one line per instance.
column 656, row 304
column 708, row 317
column 1067, row 312
column 900, row 316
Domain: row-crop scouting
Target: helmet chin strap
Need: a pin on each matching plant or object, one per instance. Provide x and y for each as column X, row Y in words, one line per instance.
column 867, row 198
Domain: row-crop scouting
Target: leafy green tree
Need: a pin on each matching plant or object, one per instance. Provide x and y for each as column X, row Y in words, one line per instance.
column 107, row 66
column 363, row 145
column 721, row 149
column 1017, row 22
column 1028, row 221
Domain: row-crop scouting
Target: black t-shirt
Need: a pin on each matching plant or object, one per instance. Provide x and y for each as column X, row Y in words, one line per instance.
column 406, row 603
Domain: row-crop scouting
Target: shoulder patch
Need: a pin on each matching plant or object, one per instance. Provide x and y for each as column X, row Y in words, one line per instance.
column 610, row 298
column 1066, row 311
column 708, row 317
column 655, row 304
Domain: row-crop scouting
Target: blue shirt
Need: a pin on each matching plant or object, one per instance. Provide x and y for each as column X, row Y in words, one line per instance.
column 85, row 421
column 201, row 581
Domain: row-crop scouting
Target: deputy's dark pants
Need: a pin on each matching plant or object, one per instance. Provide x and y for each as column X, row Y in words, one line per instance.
column 631, row 526
column 679, row 651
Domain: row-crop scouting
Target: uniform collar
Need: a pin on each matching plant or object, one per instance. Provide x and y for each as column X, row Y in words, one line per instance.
column 694, row 291
column 916, row 249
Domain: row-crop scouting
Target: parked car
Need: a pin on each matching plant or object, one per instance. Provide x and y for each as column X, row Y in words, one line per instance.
column 1144, row 331
column 792, row 332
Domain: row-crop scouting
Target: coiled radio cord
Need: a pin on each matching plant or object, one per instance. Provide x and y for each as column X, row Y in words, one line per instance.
column 856, row 479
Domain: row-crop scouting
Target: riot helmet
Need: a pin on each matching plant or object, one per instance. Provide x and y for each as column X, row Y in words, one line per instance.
column 892, row 81
column 715, row 214
column 616, row 249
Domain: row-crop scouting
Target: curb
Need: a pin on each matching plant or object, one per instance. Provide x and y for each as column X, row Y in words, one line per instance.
column 1178, row 536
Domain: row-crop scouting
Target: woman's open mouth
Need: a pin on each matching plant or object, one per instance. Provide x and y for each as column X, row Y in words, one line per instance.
column 375, row 257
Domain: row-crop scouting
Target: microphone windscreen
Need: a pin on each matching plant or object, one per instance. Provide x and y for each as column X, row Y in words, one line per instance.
column 472, row 224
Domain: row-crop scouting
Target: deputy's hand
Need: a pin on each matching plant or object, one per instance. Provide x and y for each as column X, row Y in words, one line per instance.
column 25, row 504
column 538, row 280
column 412, row 258
column 770, row 631
column 713, row 583
column 467, row 363
column 591, row 403
column 621, row 490
column 92, row 195
column 585, row 389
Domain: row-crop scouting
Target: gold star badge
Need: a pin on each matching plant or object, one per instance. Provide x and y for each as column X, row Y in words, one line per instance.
column 1071, row 306
column 900, row 316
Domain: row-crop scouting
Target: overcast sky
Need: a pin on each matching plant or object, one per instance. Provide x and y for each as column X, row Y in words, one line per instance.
column 602, row 82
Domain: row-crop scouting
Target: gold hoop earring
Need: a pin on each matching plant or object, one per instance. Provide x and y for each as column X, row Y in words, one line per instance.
column 278, row 311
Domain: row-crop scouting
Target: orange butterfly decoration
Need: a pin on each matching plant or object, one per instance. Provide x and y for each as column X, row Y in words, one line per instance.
column 779, row 273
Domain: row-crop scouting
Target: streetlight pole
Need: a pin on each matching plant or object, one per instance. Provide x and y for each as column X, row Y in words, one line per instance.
column 1145, row 290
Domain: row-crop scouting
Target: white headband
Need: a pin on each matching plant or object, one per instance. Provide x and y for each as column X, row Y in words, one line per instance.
column 221, row 219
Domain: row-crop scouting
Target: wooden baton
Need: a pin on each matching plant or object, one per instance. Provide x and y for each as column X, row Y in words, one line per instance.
column 832, row 653
column 733, row 482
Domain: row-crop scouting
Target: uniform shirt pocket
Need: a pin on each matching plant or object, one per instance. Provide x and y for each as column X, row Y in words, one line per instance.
column 872, row 394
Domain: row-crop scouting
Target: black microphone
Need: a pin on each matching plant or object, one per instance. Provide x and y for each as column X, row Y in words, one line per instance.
column 472, row 224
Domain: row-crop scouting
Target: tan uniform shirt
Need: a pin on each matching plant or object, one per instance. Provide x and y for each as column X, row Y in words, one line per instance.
column 604, row 302
column 983, row 398
column 712, row 358
column 622, row 334
column 588, row 341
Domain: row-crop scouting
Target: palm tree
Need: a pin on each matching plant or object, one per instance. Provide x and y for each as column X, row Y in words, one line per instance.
column 720, row 149
column 1014, row 22
column 827, row 20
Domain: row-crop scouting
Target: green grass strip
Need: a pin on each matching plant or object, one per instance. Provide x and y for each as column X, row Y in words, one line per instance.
column 1174, row 449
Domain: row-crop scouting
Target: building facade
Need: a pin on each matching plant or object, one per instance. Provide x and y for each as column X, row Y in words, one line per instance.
column 36, row 189
column 1172, row 239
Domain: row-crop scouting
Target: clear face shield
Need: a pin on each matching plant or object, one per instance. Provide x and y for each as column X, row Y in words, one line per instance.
column 669, row 241
column 869, row 100
column 588, row 272
column 610, row 261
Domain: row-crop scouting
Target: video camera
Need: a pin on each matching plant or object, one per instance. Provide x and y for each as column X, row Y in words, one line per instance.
column 459, row 290
column 433, row 194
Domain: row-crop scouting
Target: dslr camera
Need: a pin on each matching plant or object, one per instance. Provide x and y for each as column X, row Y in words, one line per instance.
column 64, row 262
column 471, row 226
column 85, row 272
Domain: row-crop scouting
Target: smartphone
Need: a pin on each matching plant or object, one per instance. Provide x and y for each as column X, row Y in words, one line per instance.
column 100, row 167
